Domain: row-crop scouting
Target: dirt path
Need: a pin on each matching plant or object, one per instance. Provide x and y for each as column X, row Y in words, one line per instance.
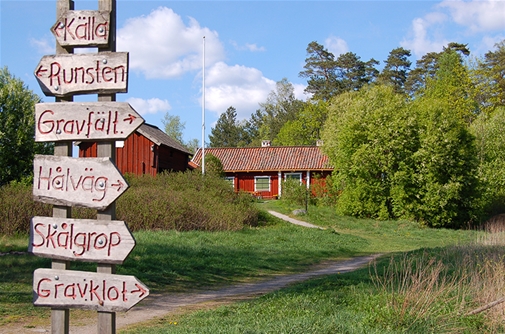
column 156, row 306
column 161, row 305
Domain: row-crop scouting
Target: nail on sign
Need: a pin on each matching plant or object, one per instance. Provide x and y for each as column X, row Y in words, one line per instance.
column 87, row 182
column 85, row 121
column 86, row 290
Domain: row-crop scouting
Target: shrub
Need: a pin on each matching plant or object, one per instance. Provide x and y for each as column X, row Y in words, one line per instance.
column 179, row 201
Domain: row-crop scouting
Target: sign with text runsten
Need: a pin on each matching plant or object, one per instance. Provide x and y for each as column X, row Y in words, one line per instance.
column 85, row 121
column 82, row 28
column 103, row 241
column 87, row 182
column 100, row 73
column 86, row 290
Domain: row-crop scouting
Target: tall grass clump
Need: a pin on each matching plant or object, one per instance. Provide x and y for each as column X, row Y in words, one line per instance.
column 169, row 201
column 444, row 290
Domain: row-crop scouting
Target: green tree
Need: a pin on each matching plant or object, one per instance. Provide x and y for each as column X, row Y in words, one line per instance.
column 320, row 70
column 396, row 69
column 353, row 73
column 306, row 128
column 280, row 107
column 227, row 132
column 17, row 129
column 446, row 166
column 174, row 127
column 370, row 137
column 213, row 166
column 490, row 145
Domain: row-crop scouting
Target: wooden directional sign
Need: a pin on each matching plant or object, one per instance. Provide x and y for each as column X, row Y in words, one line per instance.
column 82, row 28
column 86, row 182
column 103, row 241
column 104, row 72
column 85, row 121
column 86, row 290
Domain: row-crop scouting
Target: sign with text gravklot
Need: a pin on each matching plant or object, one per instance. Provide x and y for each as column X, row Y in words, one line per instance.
column 85, row 290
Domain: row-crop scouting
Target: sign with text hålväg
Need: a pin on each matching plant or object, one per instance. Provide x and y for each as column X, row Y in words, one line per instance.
column 87, row 182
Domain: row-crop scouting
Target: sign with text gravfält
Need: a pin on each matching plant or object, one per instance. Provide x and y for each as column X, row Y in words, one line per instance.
column 82, row 28
column 85, row 121
column 87, row 182
column 100, row 73
column 103, row 241
column 86, row 290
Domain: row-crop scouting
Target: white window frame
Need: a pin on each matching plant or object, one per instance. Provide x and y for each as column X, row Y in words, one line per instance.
column 262, row 177
column 230, row 179
column 292, row 175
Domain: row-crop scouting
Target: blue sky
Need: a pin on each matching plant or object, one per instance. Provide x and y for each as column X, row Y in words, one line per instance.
column 249, row 45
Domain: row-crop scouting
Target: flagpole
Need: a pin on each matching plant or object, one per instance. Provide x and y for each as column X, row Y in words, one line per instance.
column 203, row 108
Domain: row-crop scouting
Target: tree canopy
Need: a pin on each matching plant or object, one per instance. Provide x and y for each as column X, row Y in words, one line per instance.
column 17, row 129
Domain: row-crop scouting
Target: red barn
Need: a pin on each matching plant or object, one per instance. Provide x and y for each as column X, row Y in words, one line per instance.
column 261, row 170
column 147, row 151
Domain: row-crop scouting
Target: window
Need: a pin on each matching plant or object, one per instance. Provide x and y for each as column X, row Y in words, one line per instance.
column 293, row 176
column 231, row 180
column 262, row 183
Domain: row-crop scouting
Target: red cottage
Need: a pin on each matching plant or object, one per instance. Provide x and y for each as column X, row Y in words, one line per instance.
column 261, row 170
column 147, row 151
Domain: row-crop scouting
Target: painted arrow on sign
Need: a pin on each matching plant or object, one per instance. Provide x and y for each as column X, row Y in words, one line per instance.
column 104, row 72
column 82, row 28
column 86, row 290
column 103, row 241
column 87, row 182
column 85, row 121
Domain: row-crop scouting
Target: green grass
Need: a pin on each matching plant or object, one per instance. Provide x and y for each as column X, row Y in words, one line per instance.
column 184, row 261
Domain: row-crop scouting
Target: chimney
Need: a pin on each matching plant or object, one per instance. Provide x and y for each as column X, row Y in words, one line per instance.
column 265, row 143
column 319, row 142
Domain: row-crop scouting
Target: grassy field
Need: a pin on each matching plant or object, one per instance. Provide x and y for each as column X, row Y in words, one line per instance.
column 183, row 261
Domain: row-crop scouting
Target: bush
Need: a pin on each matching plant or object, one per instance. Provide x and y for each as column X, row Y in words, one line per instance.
column 171, row 201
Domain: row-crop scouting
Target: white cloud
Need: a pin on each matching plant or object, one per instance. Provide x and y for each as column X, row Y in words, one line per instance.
column 425, row 36
column 479, row 15
column 248, row 47
column 44, row 45
column 161, row 45
column 336, row 45
column 150, row 106
column 238, row 86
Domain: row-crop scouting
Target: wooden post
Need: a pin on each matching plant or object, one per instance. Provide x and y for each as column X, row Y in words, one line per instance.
column 60, row 318
column 107, row 320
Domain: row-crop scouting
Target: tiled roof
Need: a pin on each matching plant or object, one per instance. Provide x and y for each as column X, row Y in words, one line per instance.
column 154, row 134
column 272, row 158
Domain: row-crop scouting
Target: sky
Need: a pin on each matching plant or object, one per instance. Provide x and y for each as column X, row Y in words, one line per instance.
column 249, row 46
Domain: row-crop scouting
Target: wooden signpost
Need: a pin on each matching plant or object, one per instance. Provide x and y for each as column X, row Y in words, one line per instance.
column 82, row 28
column 85, row 290
column 86, row 182
column 85, row 121
column 105, row 72
column 106, row 241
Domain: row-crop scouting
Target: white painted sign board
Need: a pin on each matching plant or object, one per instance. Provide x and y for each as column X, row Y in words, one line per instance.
column 87, row 182
column 87, row 73
column 82, row 28
column 85, row 121
column 86, row 290
column 103, row 241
